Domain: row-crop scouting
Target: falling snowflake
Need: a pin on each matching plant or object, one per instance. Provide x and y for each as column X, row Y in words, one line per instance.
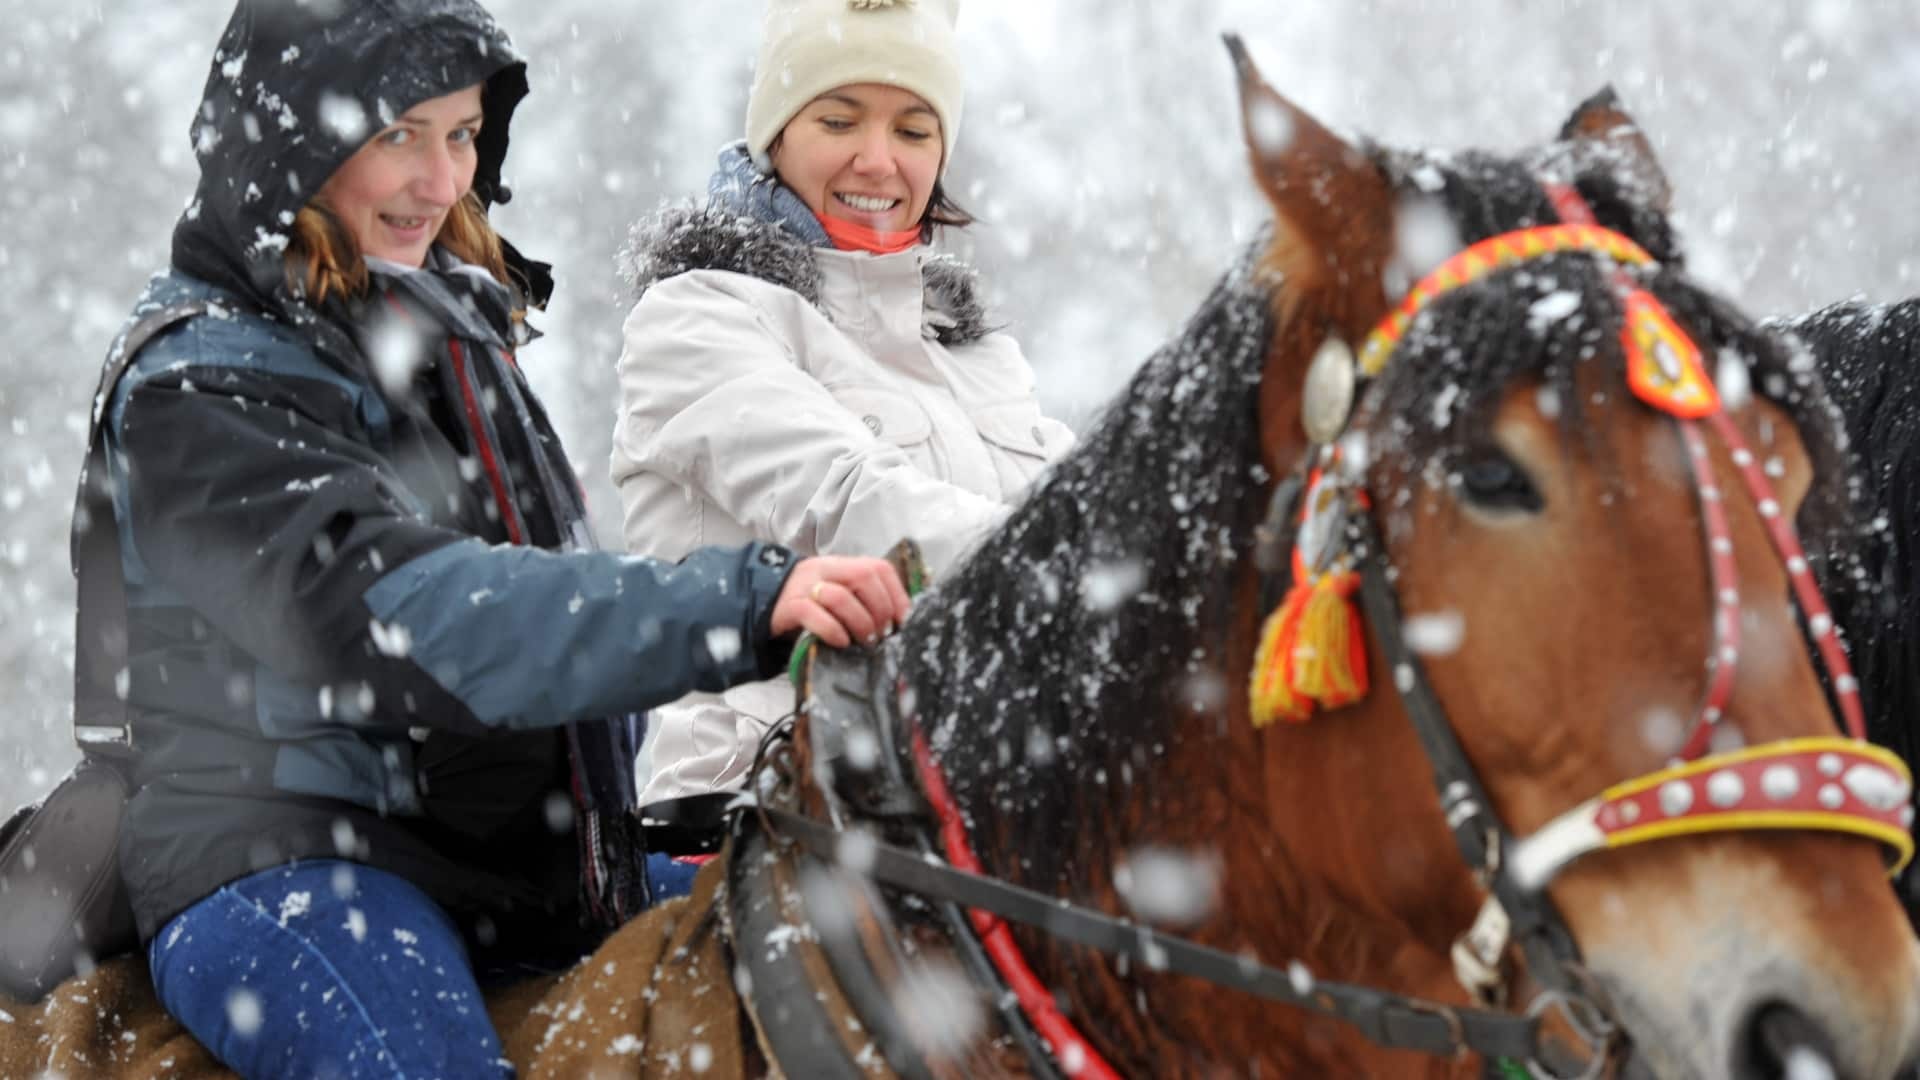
column 1169, row 885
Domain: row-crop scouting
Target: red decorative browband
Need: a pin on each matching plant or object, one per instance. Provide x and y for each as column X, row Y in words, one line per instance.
column 1823, row 783
column 1484, row 258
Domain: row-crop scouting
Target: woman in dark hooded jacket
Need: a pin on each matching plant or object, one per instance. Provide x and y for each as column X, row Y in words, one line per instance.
column 376, row 685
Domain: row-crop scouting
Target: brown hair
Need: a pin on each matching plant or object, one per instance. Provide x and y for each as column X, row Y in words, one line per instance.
column 323, row 260
column 942, row 210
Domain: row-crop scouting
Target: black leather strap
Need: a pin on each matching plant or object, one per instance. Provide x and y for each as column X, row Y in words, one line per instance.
column 1386, row 1019
column 828, row 887
column 851, row 702
column 691, row 825
column 1480, row 835
column 802, row 1039
column 100, row 723
column 59, row 861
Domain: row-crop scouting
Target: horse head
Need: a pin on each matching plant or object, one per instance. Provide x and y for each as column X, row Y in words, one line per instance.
column 1553, row 543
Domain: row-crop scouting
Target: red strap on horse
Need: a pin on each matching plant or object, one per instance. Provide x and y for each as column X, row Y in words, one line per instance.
column 1076, row 1055
column 1666, row 370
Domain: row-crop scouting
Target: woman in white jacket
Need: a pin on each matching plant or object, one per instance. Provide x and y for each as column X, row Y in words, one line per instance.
column 800, row 368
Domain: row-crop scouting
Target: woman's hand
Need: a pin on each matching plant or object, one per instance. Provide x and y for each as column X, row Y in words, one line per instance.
column 841, row 600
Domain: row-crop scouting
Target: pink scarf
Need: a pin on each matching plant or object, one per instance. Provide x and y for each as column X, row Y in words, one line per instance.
column 848, row 236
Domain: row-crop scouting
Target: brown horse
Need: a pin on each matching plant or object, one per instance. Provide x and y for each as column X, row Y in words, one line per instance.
column 1085, row 687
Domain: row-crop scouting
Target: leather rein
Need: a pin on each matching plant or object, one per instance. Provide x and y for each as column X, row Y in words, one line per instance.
column 892, row 821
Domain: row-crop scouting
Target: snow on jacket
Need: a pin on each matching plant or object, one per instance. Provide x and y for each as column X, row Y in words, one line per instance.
column 356, row 625
column 834, row 402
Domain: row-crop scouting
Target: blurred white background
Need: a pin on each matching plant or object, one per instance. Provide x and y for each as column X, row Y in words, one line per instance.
column 1100, row 148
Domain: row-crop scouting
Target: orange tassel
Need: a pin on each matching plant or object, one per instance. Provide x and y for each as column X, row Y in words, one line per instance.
column 1313, row 652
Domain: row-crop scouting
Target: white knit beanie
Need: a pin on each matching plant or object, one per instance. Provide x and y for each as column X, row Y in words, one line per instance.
column 808, row 47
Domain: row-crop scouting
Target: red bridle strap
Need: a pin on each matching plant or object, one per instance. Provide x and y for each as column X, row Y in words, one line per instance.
column 1824, row 783
column 1813, row 606
column 1076, row 1057
column 1666, row 371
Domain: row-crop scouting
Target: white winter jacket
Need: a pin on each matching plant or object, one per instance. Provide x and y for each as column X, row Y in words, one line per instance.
column 834, row 402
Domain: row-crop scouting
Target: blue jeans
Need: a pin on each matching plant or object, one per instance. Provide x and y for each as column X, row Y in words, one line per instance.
column 668, row 878
column 330, row 970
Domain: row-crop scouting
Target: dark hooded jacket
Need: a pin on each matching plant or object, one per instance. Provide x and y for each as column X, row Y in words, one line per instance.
column 363, row 617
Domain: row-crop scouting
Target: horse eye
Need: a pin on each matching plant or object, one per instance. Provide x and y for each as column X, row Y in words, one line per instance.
column 1491, row 480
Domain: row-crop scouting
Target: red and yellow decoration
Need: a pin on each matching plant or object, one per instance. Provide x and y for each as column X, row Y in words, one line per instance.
column 1313, row 647
column 1487, row 256
column 1664, row 366
column 1821, row 783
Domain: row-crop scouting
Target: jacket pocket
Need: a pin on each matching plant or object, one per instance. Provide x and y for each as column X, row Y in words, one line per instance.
column 1015, row 426
column 891, row 415
column 1021, row 440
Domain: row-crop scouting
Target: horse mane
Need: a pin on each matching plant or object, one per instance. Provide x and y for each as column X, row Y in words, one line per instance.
column 1068, row 650
column 1869, row 358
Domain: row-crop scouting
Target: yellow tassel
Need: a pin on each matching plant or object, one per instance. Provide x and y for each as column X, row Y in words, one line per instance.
column 1312, row 651
column 1272, row 696
column 1330, row 658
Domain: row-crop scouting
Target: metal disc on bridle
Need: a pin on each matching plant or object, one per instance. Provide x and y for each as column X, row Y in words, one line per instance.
column 1328, row 396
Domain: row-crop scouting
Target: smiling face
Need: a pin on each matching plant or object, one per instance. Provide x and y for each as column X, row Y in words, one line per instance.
column 867, row 154
column 394, row 193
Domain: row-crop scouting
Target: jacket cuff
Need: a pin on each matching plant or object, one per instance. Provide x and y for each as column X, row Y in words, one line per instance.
column 768, row 567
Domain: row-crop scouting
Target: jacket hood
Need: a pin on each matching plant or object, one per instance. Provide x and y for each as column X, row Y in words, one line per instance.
column 677, row 239
column 295, row 88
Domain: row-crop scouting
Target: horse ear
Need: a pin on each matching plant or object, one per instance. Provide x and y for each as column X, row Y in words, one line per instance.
column 1601, row 123
column 1332, row 205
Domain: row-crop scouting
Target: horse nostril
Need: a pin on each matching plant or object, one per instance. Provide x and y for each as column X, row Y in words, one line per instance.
column 1782, row 1043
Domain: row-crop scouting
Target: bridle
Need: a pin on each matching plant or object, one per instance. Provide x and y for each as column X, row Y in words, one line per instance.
column 1829, row 783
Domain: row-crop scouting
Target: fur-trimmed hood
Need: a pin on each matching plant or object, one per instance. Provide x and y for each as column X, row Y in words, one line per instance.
column 675, row 240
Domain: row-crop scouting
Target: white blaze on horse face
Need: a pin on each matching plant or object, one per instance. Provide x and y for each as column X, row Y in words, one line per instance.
column 1688, row 966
